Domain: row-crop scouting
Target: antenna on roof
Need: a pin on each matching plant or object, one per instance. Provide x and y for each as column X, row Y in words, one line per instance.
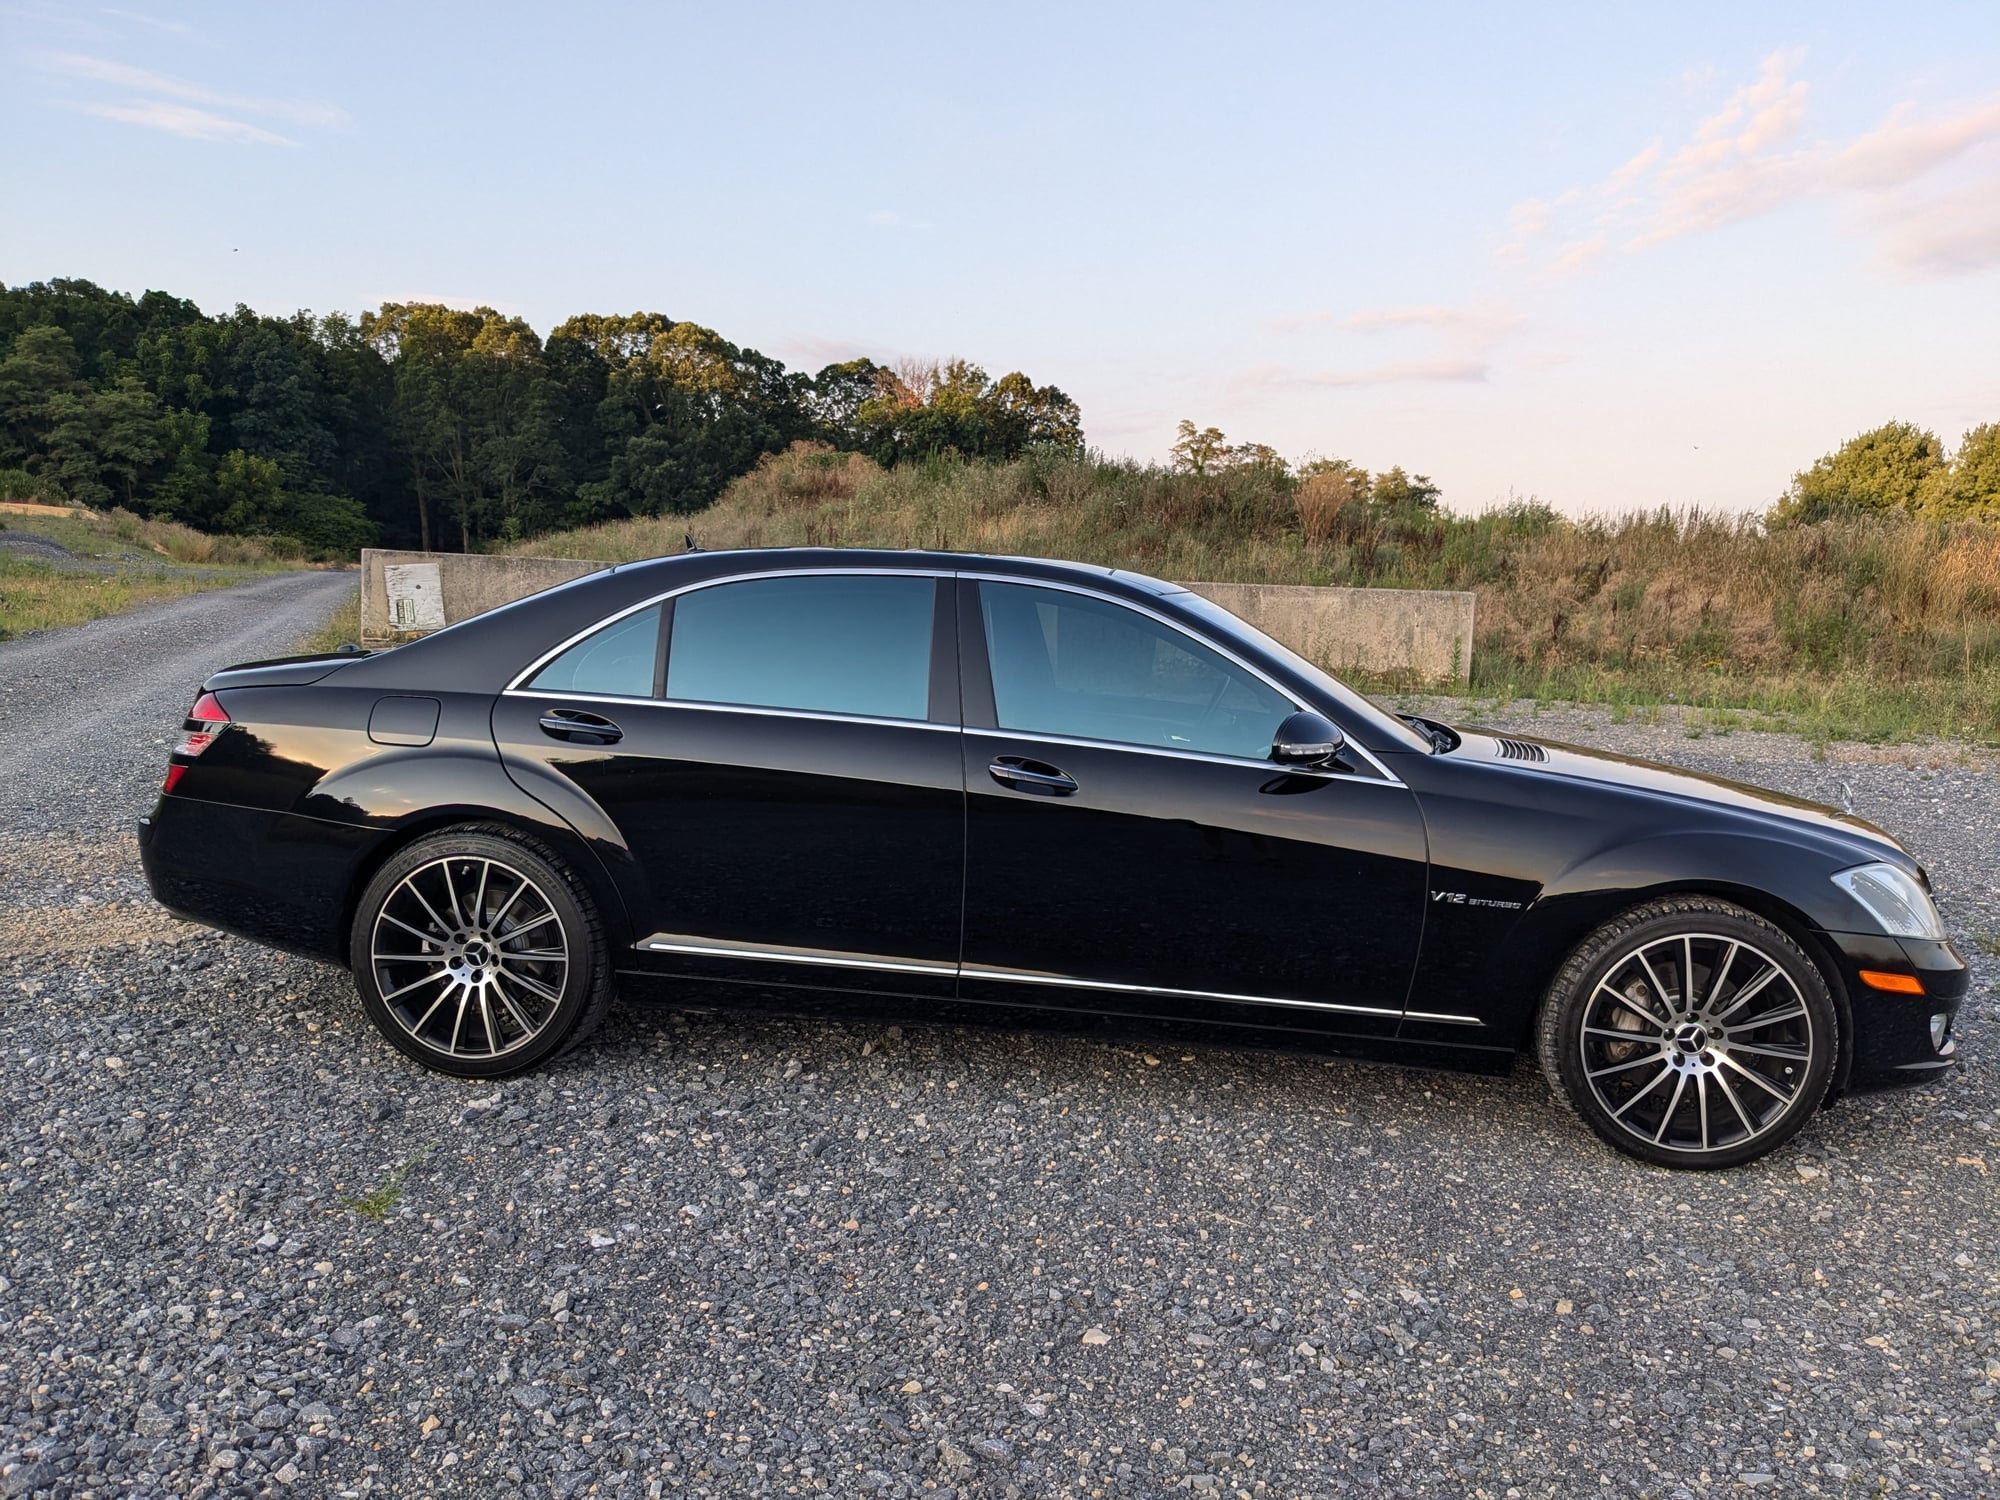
column 692, row 544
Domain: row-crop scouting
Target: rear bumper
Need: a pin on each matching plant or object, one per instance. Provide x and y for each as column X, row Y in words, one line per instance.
column 275, row 878
column 1893, row 1043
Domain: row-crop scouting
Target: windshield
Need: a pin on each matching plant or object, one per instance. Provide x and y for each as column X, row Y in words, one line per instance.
column 1351, row 702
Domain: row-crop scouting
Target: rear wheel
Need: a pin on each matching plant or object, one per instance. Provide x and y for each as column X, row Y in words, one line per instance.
column 1691, row 1033
column 479, row 954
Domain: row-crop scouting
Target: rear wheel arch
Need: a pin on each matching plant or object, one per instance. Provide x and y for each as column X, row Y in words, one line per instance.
column 559, row 844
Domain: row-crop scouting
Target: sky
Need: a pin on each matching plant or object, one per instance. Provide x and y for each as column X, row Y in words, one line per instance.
column 1604, row 255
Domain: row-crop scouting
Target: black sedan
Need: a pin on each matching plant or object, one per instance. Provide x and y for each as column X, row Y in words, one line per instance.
column 971, row 787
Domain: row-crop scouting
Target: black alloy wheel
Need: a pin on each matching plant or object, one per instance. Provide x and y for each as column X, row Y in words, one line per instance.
column 479, row 954
column 1690, row 1033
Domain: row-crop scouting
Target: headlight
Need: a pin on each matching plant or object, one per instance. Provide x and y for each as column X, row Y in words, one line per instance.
column 1894, row 899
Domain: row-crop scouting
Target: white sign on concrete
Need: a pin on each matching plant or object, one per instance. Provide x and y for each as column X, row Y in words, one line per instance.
column 416, row 596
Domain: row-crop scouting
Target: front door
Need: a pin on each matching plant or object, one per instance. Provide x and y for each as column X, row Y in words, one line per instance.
column 785, row 776
column 1130, row 849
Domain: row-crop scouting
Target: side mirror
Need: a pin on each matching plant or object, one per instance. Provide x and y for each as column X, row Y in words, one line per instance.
column 1307, row 739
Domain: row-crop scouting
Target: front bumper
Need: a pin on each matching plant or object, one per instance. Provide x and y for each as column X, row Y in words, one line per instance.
column 1894, row 1042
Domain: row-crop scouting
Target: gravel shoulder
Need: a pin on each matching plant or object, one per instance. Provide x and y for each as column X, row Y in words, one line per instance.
column 248, row 1249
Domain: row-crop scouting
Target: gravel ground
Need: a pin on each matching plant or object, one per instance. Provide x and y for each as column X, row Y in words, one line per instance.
column 249, row 1249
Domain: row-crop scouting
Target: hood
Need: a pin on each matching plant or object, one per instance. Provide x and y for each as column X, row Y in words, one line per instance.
column 1550, row 758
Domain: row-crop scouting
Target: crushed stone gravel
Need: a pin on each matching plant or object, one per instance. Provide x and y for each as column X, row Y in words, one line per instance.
column 248, row 1249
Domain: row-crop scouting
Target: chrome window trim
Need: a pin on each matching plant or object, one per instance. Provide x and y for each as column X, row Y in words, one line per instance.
column 518, row 688
column 1267, row 766
column 1057, row 981
column 737, row 708
column 1224, row 652
column 521, row 678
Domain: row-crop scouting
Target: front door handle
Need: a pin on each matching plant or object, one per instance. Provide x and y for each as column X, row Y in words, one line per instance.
column 575, row 725
column 1027, row 775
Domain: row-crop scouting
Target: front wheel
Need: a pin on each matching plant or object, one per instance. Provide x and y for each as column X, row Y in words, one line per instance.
column 479, row 954
column 1691, row 1033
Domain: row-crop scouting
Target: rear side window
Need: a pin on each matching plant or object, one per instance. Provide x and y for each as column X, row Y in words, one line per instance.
column 619, row 660
column 844, row 644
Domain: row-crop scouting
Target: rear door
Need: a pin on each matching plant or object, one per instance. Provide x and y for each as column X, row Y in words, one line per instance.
column 784, row 784
column 1131, row 849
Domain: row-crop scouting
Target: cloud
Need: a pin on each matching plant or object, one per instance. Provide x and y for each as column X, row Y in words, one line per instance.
column 145, row 20
column 1404, row 372
column 890, row 218
column 186, row 120
column 189, row 109
column 1479, row 322
column 1754, row 155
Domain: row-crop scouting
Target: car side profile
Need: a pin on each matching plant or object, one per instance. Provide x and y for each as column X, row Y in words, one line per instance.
column 1014, row 790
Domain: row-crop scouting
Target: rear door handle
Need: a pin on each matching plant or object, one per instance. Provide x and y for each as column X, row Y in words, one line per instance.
column 575, row 725
column 1032, row 776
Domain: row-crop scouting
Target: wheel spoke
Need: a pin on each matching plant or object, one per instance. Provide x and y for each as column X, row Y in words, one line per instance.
column 486, row 1018
column 1687, row 972
column 1773, row 1018
column 1680, row 1087
column 1624, row 1067
column 1787, row 1054
column 1658, row 988
column 458, row 1021
column 429, row 937
column 1665, row 1069
column 1721, row 974
column 537, row 955
column 417, row 984
column 445, row 927
column 404, row 958
column 527, row 1026
column 451, row 891
column 1749, row 992
column 508, row 905
column 1757, row 1078
column 479, row 898
column 534, row 986
column 1701, row 1093
column 547, row 916
column 425, row 1019
column 1628, row 1003
column 1749, row 1129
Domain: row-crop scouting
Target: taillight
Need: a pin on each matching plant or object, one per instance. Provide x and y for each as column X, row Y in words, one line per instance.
column 204, row 722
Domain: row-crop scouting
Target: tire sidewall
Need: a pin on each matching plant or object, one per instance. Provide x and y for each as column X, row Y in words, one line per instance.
column 565, row 897
column 1609, row 945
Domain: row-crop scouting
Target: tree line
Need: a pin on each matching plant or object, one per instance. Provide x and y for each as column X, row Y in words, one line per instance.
column 420, row 424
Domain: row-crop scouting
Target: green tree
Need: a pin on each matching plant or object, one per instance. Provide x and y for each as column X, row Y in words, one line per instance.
column 1203, row 451
column 1399, row 492
column 100, row 443
column 1883, row 471
column 1970, row 484
column 42, row 363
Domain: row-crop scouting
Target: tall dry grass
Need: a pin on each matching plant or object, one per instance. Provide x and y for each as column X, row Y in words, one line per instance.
column 1879, row 628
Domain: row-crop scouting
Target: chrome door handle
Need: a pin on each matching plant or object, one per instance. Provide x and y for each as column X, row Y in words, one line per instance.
column 1031, row 776
column 574, row 723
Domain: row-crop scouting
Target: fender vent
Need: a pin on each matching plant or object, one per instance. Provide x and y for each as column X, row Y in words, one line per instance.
column 1519, row 749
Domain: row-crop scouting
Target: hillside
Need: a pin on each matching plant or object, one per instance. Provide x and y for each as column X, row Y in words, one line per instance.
column 1880, row 627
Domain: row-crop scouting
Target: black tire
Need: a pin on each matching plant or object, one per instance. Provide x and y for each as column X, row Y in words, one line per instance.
column 481, row 998
column 1710, row 1078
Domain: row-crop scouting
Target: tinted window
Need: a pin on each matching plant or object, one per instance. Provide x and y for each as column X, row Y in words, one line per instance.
column 1071, row 665
column 858, row 644
column 618, row 659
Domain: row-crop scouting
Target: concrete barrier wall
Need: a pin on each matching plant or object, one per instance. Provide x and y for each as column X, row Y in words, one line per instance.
column 1422, row 636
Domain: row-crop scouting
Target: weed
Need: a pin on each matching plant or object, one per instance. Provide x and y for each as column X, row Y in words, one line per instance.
column 380, row 1199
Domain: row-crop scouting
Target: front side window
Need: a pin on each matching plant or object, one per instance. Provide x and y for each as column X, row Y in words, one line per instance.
column 1072, row 665
column 842, row 643
column 618, row 660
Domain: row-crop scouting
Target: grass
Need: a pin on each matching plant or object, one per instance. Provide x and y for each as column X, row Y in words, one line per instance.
column 1885, row 630
column 123, row 536
column 35, row 596
column 343, row 629
column 136, row 562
